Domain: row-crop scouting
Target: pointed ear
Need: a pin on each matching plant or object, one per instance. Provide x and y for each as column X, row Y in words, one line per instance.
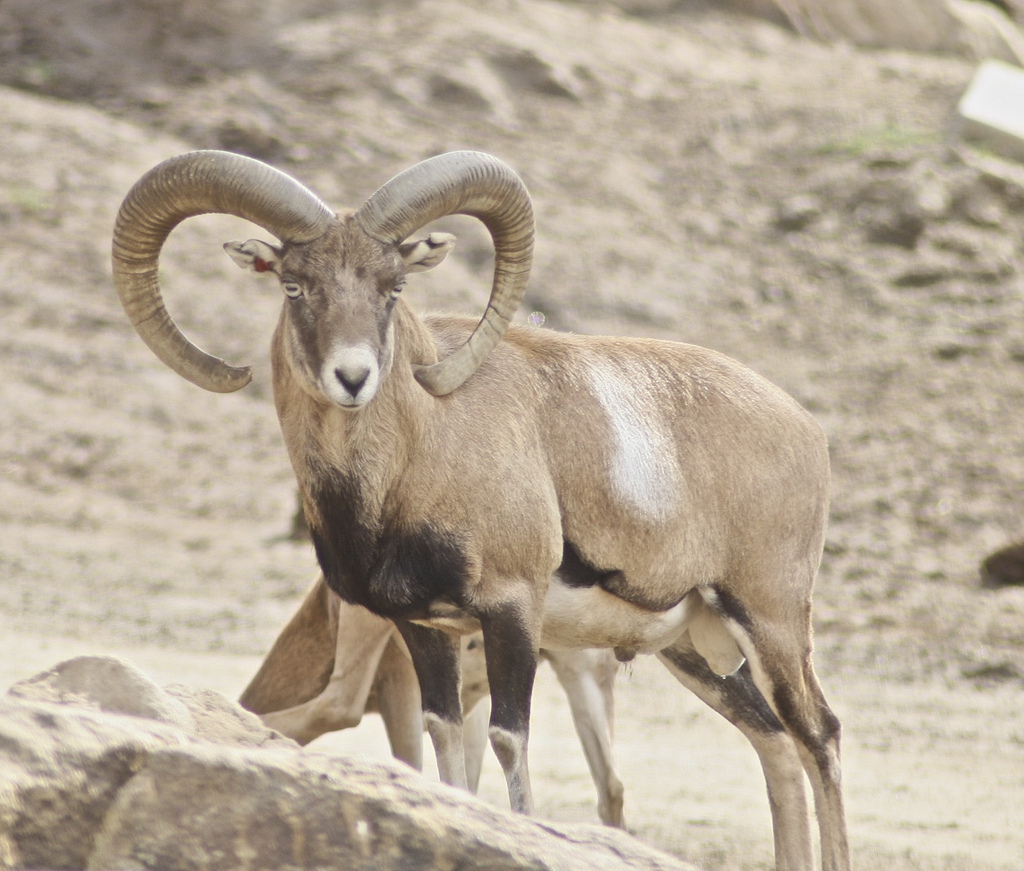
column 255, row 255
column 423, row 254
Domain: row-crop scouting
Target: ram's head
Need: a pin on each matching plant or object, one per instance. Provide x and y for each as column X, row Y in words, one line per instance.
column 340, row 275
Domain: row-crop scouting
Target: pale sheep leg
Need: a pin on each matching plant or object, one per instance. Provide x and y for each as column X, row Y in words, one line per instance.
column 362, row 638
column 588, row 678
column 474, row 736
column 398, row 700
column 299, row 663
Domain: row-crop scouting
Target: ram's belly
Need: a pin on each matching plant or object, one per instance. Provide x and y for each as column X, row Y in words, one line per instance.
column 591, row 617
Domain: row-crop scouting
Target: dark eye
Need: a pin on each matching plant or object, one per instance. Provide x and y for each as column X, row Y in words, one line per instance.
column 291, row 289
column 397, row 290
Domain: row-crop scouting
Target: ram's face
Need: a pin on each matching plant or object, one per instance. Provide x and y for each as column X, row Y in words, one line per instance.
column 340, row 293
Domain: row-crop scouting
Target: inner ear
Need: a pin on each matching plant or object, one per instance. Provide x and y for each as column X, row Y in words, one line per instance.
column 254, row 255
column 419, row 255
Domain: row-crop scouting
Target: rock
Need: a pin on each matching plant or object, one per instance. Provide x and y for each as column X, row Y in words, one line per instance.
column 888, row 207
column 104, row 683
column 924, row 275
column 525, row 70
column 798, row 212
column 1004, row 568
column 101, row 768
column 950, row 351
column 167, row 42
column 112, row 685
column 216, row 807
column 992, row 108
column 979, row 204
column 222, row 721
column 61, row 766
column 894, row 225
column 965, row 27
column 993, row 672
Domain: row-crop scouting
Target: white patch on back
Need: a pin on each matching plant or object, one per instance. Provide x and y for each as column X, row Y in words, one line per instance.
column 643, row 456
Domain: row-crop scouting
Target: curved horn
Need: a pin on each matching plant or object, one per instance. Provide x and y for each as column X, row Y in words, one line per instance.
column 465, row 183
column 198, row 183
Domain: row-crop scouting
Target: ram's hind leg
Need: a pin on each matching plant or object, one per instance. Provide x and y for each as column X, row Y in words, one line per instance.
column 800, row 704
column 777, row 645
column 737, row 699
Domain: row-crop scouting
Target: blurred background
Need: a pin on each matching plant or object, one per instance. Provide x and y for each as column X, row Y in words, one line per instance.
column 781, row 180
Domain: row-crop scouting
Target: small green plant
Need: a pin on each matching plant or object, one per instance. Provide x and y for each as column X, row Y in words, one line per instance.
column 19, row 201
column 37, row 74
column 874, row 139
column 28, row 200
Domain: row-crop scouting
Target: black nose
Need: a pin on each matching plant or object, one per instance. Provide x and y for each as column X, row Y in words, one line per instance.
column 352, row 379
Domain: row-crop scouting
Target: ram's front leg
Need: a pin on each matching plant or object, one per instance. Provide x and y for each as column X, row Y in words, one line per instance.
column 511, row 646
column 435, row 654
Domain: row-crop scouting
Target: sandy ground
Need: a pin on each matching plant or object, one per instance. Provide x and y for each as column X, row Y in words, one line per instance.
column 696, row 176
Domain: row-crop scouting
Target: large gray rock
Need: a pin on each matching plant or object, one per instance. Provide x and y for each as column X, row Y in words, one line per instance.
column 60, row 769
column 101, row 768
column 104, row 683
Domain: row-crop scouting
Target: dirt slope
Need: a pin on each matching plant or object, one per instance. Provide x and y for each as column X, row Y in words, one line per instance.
column 697, row 176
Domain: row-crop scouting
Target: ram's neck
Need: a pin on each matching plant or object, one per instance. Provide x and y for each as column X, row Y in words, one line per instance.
column 367, row 448
column 350, row 465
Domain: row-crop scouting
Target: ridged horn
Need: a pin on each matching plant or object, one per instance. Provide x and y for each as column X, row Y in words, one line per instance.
column 464, row 183
column 198, row 183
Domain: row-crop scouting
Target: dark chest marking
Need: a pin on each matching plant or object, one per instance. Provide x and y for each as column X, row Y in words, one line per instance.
column 395, row 572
